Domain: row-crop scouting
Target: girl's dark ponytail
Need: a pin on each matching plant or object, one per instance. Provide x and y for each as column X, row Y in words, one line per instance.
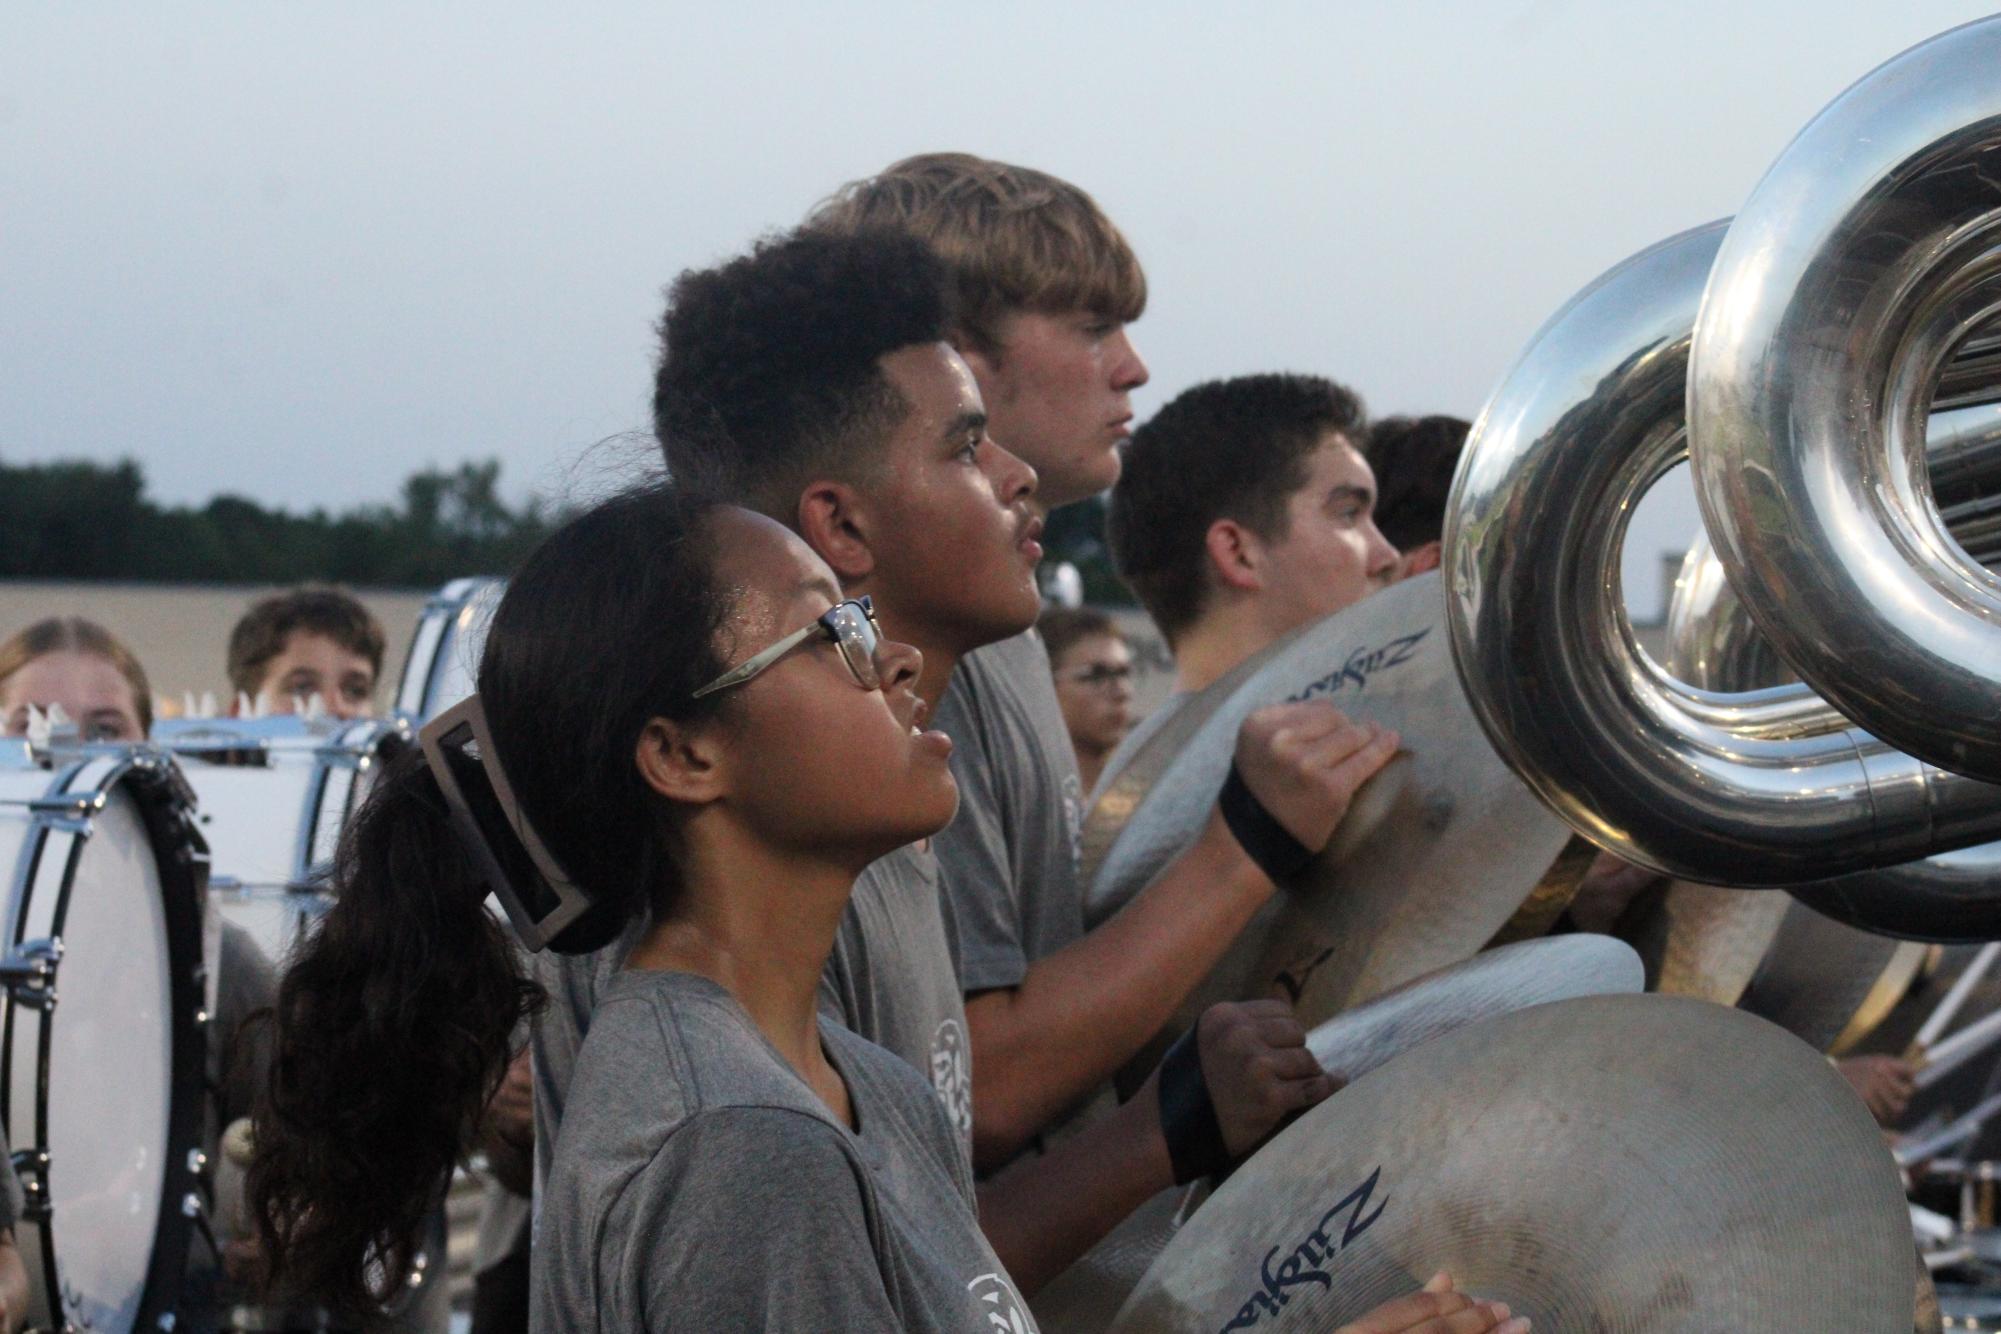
column 393, row 1028
column 394, row 1019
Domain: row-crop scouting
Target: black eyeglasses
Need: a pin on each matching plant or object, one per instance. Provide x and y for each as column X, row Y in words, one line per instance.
column 852, row 627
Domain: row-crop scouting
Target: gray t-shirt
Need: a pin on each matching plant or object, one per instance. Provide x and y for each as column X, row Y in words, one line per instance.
column 1011, row 855
column 698, row 1184
column 893, row 976
column 890, row 978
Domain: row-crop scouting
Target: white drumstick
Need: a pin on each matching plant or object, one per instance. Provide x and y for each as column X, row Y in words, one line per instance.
column 1965, row 1128
column 1962, row 987
column 1941, row 1060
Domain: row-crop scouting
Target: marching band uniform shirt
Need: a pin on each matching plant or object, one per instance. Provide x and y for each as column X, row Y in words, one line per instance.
column 894, row 978
column 890, row 979
column 1012, row 854
column 699, row 1184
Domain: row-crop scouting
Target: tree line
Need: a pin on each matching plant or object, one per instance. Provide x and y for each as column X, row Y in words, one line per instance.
column 78, row 520
column 92, row 521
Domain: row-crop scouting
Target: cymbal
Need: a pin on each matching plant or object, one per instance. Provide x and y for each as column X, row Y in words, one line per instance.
column 1084, row 1298
column 1704, row 941
column 1828, row 983
column 1500, row 981
column 1611, row 1164
column 1460, row 844
column 1512, row 977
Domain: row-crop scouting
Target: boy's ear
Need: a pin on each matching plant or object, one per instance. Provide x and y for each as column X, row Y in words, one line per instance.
column 684, row 765
column 1420, row 560
column 1236, row 556
column 837, row 523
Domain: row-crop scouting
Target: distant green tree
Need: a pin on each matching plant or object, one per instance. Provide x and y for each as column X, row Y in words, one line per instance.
column 75, row 520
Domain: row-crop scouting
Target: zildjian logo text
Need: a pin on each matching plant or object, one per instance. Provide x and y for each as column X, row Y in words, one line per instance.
column 1306, row 1262
column 1362, row 664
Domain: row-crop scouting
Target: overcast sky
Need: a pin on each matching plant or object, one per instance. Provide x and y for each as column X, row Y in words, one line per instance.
column 296, row 251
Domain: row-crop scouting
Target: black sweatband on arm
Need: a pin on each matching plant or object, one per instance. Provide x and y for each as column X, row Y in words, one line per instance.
column 1187, row 1116
column 1264, row 840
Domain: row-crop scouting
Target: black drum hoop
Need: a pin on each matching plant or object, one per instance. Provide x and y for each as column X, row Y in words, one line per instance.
column 164, row 804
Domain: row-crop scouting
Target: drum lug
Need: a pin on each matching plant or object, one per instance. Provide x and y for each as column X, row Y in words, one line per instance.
column 67, row 812
column 32, row 1167
column 28, row 975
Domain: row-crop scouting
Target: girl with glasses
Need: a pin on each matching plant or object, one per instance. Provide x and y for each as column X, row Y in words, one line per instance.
column 695, row 729
column 680, row 721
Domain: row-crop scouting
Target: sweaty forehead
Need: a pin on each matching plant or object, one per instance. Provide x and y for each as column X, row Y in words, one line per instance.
column 767, row 568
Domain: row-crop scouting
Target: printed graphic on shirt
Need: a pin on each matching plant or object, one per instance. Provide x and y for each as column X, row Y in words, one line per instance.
column 1073, row 819
column 952, row 1075
column 1001, row 1302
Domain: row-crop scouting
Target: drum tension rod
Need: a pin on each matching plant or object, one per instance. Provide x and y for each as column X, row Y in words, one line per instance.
column 28, row 974
column 32, row 1167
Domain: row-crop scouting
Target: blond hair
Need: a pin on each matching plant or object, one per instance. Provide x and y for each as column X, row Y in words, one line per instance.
column 74, row 634
column 1015, row 238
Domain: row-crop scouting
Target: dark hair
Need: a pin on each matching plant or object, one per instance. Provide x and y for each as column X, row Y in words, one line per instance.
column 74, row 634
column 1014, row 238
column 1060, row 627
column 316, row 609
column 770, row 367
column 394, row 1022
column 1228, row 449
column 1414, row 459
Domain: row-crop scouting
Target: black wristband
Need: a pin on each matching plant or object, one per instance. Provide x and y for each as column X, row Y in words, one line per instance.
column 1187, row 1116
column 1266, row 841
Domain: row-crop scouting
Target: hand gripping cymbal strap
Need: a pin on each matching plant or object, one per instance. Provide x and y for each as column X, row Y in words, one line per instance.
column 1266, row 841
column 1187, row 1114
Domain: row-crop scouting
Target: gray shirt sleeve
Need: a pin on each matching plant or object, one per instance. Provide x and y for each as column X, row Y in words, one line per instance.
column 714, row 1235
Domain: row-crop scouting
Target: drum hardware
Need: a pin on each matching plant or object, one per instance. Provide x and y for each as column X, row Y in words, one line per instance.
column 1942, row 1058
column 1948, row 1008
column 28, row 974
column 1576, row 1160
column 1958, row 1132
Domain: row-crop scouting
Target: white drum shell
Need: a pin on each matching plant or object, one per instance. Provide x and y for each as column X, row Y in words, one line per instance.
column 443, row 664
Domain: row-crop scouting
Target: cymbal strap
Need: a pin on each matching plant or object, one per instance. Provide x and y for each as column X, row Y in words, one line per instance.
column 1187, row 1113
column 1267, row 842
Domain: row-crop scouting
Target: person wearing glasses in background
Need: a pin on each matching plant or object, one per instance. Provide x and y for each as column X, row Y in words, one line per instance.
column 1093, row 670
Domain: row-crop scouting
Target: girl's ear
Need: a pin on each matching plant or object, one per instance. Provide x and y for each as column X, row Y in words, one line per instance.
column 838, row 526
column 683, row 764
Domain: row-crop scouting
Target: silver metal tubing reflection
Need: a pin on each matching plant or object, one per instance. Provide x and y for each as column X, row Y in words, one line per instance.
column 1648, row 766
column 1711, row 642
column 1864, row 270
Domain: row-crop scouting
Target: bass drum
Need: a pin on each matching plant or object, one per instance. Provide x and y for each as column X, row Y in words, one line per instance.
column 101, row 1096
column 273, row 795
column 444, row 653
